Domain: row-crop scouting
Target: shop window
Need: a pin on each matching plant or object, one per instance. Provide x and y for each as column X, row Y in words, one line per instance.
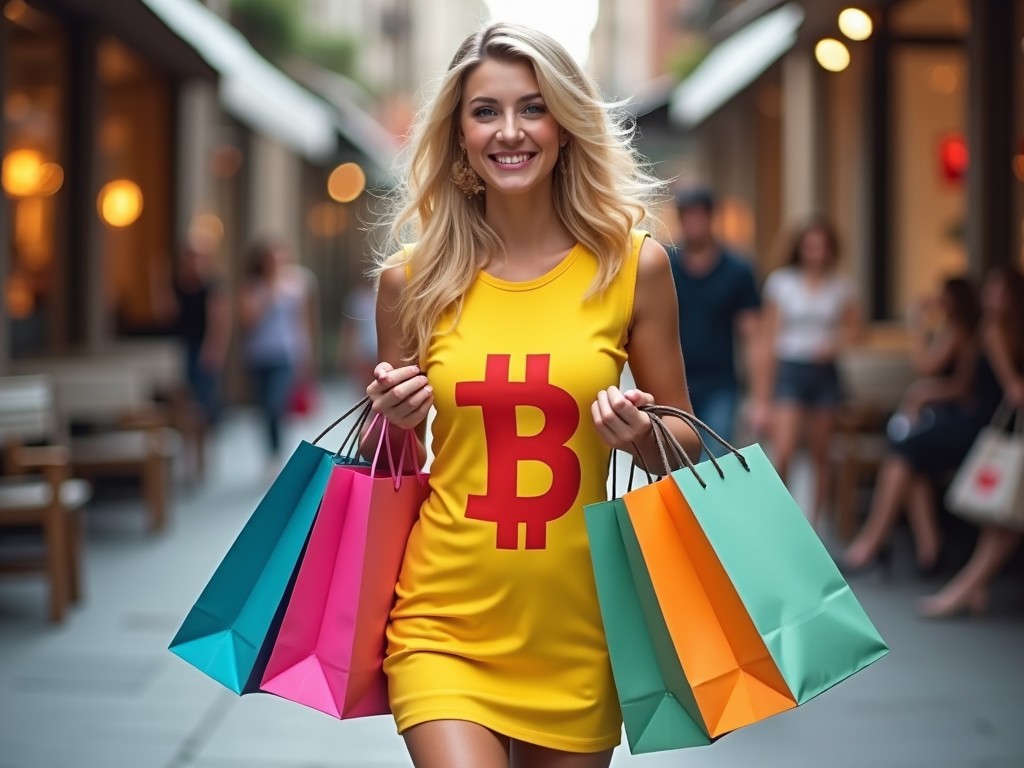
column 33, row 170
column 134, row 202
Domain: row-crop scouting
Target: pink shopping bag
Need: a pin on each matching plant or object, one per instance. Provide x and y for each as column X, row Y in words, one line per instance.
column 329, row 653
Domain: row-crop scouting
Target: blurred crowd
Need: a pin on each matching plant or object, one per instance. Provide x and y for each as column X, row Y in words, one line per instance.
column 966, row 346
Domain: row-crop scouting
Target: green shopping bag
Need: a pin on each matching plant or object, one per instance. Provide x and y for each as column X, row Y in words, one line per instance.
column 658, row 709
column 812, row 624
column 229, row 632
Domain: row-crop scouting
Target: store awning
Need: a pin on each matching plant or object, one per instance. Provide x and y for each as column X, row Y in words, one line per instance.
column 733, row 64
column 251, row 88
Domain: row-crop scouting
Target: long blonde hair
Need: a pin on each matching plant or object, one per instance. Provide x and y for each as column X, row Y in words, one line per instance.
column 602, row 194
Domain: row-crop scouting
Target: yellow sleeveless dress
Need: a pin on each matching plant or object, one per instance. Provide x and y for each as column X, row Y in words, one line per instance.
column 496, row 619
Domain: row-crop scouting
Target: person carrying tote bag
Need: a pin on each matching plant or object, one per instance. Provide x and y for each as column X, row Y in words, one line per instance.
column 989, row 486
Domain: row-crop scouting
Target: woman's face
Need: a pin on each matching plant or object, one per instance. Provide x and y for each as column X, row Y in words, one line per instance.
column 510, row 138
column 814, row 250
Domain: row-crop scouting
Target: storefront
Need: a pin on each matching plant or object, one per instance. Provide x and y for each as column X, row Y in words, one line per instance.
column 913, row 142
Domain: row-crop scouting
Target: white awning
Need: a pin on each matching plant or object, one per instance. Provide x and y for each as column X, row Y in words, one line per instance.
column 734, row 64
column 251, row 88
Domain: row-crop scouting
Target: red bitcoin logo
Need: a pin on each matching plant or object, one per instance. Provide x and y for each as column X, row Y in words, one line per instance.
column 498, row 398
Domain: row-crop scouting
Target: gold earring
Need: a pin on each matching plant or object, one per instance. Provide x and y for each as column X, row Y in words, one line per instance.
column 465, row 178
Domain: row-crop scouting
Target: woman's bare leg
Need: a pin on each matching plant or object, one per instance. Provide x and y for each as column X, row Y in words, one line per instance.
column 456, row 744
column 886, row 504
column 531, row 756
column 969, row 588
column 820, row 429
column 924, row 522
column 787, row 421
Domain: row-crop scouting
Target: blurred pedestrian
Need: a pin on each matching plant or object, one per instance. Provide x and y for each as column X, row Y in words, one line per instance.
column 277, row 320
column 527, row 290
column 195, row 306
column 1003, row 342
column 908, row 474
column 717, row 296
column 811, row 313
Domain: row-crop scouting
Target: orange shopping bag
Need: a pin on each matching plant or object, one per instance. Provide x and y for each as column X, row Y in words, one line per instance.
column 734, row 679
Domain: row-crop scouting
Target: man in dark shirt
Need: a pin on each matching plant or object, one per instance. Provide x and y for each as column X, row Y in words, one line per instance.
column 717, row 296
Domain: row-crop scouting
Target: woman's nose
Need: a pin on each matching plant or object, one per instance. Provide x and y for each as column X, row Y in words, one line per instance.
column 510, row 129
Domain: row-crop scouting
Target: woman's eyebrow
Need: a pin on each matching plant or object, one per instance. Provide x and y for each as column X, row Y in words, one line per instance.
column 492, row 100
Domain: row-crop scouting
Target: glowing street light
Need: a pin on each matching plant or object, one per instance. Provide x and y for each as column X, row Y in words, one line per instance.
column 346, row 183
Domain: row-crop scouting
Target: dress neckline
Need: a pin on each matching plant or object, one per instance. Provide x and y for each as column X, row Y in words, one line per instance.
column 528, row 285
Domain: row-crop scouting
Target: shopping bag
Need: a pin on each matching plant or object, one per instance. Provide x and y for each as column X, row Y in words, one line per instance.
column 229, row 631
column 808, row 617
column 989, row 486
column 658, row 708
column 329, row 653
column 734, row 678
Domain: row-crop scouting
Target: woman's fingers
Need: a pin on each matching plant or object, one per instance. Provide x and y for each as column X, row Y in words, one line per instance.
column 617, row 419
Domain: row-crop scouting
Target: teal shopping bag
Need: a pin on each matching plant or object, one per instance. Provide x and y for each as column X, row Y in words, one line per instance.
column 230, row 631
column 658, row 709
column 225, row 632
column 814, row 627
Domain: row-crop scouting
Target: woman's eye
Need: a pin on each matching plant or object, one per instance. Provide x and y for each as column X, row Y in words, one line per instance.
column 535, row 109
column 484, row 112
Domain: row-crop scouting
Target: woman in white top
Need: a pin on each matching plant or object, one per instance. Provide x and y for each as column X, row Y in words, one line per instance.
column 811, row 313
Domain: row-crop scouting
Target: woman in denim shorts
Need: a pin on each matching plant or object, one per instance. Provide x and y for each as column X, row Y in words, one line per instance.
column 811, row 313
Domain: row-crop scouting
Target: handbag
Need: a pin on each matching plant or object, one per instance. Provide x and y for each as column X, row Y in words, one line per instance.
column 229, row 632
column 329, row 653
column 989, row 485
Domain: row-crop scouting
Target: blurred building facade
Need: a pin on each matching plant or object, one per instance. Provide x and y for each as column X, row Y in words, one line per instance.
column 914, row 145
column 131, row 127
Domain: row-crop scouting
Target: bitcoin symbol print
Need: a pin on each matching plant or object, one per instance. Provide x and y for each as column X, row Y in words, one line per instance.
column 498, row 398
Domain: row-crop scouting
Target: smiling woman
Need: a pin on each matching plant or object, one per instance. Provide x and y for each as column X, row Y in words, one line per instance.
column 526, row 290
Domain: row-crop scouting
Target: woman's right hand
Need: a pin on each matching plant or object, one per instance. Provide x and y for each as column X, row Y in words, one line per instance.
column 400, row 395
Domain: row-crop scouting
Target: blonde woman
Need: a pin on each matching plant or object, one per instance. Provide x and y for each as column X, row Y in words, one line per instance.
column 527, row 289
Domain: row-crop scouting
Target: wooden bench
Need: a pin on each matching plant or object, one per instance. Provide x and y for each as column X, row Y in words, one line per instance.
column 119, row 430
column 51, row 500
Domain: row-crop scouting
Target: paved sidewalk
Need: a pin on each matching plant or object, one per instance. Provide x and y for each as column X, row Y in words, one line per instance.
column 101, row 691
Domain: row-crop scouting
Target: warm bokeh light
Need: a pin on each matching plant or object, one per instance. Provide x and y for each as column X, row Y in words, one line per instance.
column 327, row 220
column 15, row 10
column 346, row 183
column 120, row 203
column 954, row 157
column 832, row 55
column 18, row 298
column 942, row 78
column 21, row 171
column 855, row 24
column 1018, row 167
column 206, row 231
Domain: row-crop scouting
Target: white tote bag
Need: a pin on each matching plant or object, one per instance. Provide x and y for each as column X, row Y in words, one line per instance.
column 989, row 486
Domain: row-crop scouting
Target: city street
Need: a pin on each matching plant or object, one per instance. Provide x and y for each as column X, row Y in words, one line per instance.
column 102, row 691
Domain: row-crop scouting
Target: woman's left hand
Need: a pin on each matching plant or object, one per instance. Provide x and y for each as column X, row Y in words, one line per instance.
column 618, row 418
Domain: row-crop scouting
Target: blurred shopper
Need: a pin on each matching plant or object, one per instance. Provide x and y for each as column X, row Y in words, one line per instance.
column 943, row 338
column 277, row 319
column 1003, row 345
column 195, row 306
column 717, row 295
column 811, row 313
column 961, row 406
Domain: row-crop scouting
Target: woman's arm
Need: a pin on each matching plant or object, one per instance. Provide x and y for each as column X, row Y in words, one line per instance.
column 930, row 358
column 949, row 388
column 218, row 329
column 656, row 360
column 400, row 393
column 252, row 302
column 1000, row 357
